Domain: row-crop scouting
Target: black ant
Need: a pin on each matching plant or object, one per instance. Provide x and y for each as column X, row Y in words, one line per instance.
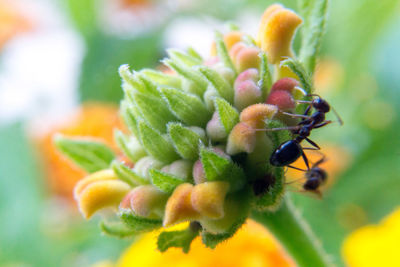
column 315, row 176
column 289, row 151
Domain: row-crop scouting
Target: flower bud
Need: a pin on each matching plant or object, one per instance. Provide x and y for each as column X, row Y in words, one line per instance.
column 276, row 32
column 256, row 114
column 208, row 198
column 99, row 190
column 199, row 176
column 282, row 99
column 244, row 57
column 180, row 168
column 215, row 129
column 249, row 74
column 285, row 84
column 145, row 201
column 179, row 206
column 230, row 39
column 225, row 72
column 242, row 138
column 209, row 96
column 143, row 166
column 246, row 94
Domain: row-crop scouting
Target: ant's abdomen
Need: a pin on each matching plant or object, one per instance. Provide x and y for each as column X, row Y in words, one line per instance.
column 286, row 153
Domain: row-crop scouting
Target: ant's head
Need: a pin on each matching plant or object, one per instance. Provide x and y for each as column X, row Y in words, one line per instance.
column 312, row 184
column 321, row 105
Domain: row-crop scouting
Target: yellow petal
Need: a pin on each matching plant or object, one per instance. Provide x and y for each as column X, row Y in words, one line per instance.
column 179, row 207
column 208, row 198
column 276, row 32
column 101, row 194
column 230, row 39
column 99, row 190
column 107, row 174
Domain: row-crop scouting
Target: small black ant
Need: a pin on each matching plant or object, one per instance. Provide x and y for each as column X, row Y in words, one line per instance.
column 315, row 176
column 289, row 151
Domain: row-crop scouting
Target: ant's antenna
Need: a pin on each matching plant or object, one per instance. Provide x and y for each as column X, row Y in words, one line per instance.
column 337, row 116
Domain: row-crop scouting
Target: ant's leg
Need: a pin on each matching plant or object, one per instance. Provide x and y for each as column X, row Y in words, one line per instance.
column 322, row 124
column 289, row 166
column 305, row 160
column 296, row 115
column 313, row 143
column 311, row 148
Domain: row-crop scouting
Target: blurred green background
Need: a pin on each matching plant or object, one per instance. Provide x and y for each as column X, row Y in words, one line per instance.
column 362, row 38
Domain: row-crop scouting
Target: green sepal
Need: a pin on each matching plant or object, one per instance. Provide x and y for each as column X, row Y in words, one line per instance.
column 183, row 58
column 178, row 239
column 218, row 168
column 277, row 137
column 314, row 13
column 116, row 229
column 185, row 140
column 164, row 181
column 227, row 114
column 127, row 174
column 88, row 154
column 223, row 88
column 192, row 52
column 271, row 199
column 265, row 81
column 139, row 224
column 212, row 240
column 129, row 117
column 187, row 107
column 154, row 110
column 130, row 81
column 199, row 83
column 222, row 52
column 305, row 80
column 162, row 78
column 129, row 145
column 156, row 144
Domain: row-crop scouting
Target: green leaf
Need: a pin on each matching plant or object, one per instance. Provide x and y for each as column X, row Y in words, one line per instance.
column 212, row 240
column 164, row 181
column 314, row 13
column 178, row 239
column 116, row 229
column 154, row 110
column 127, row 175
column 218, row 168
column 185, row 140
column 183, row 58
column 90, row 155
column 187, row 107
column 218, row 82
column 130, row 81
column 222, row 52
column 265, row 81
column 199, row 83
column 129, row 145
column 227, row 114
column 162, row 78
column 155, row 144
column 140, row 224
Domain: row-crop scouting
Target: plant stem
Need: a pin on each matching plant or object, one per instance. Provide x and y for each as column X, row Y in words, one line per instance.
column 287, row 225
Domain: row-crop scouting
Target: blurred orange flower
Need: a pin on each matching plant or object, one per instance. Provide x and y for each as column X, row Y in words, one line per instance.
column 252, row 245
column 94, row 120
column 12, row 21
column 374, row 245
